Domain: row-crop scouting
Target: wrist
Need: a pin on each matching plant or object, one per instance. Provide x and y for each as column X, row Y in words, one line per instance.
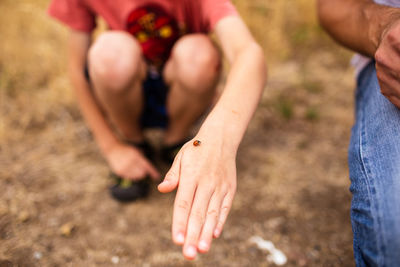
column 380, row 22
column 107, row 145
column 219, row 136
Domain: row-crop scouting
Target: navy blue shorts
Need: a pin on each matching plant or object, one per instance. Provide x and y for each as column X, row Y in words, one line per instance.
column 155, row 93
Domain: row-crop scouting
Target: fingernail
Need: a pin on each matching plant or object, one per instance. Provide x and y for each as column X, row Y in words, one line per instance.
column 191, row 251
column 217, row 232
column 164, row 182
column 203, row 245
column 180, row 238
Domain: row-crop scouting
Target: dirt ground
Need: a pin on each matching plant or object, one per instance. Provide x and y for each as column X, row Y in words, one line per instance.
column 55, row 209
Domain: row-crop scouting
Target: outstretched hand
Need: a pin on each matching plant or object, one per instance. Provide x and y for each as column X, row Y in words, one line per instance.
column 205, row 176
column 387, row 59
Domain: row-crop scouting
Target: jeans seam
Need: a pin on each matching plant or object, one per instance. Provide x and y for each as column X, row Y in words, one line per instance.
column 367, row 172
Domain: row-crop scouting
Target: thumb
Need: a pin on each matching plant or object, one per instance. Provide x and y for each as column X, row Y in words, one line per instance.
column 171, row 179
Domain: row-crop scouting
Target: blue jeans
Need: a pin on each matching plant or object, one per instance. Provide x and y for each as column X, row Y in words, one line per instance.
column 374, row 164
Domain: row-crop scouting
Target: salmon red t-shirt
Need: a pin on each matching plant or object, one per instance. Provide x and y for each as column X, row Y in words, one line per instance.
column 156, row 24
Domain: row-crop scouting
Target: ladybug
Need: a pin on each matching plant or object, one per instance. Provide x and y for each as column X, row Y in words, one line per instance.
column 197, row 143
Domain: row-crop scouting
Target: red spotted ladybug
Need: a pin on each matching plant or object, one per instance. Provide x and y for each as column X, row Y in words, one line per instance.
column 197, row 143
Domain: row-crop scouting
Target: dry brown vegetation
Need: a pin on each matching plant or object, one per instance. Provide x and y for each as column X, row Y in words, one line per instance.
column 293, row 181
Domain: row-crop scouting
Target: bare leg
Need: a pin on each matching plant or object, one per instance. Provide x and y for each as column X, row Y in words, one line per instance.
column 117, row 69
column 192, row 72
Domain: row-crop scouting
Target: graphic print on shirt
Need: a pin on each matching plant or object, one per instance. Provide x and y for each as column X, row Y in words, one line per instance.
column 155, row 30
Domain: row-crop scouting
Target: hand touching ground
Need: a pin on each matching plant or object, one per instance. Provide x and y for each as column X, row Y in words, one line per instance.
column 128, row 162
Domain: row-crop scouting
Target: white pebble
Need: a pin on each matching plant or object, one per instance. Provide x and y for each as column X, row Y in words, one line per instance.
column 275, row 255
column 115, row 259
column 37, row 255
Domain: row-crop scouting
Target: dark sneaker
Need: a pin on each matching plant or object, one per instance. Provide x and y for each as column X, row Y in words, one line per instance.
column 125, row 190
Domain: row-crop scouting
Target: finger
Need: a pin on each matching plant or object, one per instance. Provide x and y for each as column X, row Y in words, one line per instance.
column 136, row 173
column 211, row 222
column 384, row 73
column 395, row 101
column 384, row 56
column 151, row 170
column 182, row 206
column 388, row 87
column 171, row 179
column 196, row 221
column 225, row 208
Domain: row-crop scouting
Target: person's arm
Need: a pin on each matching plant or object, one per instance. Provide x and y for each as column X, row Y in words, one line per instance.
column 124, row 160
column 370, row 29
column 79, row 43
column 206, row 174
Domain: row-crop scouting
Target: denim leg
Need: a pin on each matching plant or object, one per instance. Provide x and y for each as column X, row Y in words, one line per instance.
column 374, row 164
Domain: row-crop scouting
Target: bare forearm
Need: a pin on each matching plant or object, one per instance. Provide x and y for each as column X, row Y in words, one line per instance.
column 229, row 119
column 92, row 113
column 78, row 47
column 357, row 24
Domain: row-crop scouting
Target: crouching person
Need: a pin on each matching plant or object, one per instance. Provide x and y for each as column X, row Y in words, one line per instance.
column 156, row 66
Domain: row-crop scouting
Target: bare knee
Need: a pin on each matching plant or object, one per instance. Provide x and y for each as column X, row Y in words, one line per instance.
column 197, row 62
column 115, row 60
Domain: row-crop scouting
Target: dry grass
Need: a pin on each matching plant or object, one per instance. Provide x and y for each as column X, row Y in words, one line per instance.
column 281, row 26
column 33, row 85
column 33, row 53
column 292, row 187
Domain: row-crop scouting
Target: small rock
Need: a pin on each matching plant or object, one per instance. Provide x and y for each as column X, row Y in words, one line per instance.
column 23, row 216
column 275, row 255
column 37, row 255
column 66, row 229
column 115, row 259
